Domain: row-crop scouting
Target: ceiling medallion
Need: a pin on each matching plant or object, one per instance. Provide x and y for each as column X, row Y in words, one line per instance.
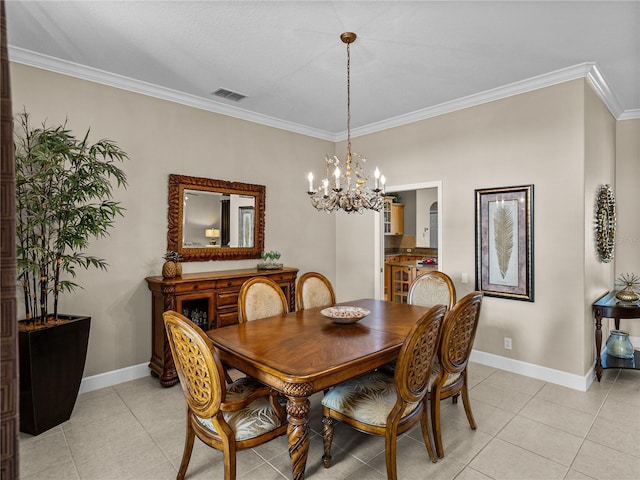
column 348, row 189
column 605, row 219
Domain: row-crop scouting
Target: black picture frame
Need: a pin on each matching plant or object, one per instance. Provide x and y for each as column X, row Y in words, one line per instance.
column 504, row 242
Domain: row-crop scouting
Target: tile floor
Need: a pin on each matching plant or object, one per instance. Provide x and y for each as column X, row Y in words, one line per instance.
column 527, row 429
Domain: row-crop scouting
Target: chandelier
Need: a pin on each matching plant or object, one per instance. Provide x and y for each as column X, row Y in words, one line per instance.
column 346, row 188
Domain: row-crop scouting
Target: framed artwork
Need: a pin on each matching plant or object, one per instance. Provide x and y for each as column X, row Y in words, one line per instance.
column 504, row 242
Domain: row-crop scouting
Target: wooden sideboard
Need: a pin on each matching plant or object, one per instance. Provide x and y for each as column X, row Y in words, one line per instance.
column 209, row 299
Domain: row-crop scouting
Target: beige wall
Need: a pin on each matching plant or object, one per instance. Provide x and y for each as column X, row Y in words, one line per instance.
column 559, row 138
column 627, row 190
column 535, row 138
column 162, row 138
column 599, row 169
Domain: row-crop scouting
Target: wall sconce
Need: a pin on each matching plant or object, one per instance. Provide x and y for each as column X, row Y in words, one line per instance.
column 212, row 233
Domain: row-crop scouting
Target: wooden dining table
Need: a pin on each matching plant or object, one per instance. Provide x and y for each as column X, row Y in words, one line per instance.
column 304, row 352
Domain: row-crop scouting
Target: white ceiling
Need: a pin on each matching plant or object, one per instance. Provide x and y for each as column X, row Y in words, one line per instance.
column 410, row 58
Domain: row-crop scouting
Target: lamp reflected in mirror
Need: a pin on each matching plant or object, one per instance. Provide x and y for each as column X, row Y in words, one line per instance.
column 213, row 234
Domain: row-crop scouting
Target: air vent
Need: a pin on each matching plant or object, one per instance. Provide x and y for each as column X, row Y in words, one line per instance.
column 229, row 95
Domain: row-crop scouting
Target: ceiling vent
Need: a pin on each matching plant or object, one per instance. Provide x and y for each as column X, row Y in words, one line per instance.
column 229, row 95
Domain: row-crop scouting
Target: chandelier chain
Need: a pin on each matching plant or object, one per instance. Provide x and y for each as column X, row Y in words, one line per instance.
column 349, row 100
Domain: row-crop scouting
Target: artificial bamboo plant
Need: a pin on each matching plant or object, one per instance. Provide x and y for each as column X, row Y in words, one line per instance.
column 64, row 199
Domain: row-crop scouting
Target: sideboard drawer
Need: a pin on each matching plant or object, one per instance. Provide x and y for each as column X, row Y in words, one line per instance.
column 228, row 317
column 230, row 282
column 224, row 299
column 195, row 286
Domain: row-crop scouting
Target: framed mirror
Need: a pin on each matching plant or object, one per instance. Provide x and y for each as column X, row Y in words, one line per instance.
column 215, row 219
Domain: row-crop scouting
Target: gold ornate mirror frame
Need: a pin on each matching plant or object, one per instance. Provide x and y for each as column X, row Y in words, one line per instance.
column 177, row 186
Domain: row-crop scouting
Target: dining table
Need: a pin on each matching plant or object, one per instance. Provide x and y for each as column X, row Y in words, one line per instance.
column 304, row 352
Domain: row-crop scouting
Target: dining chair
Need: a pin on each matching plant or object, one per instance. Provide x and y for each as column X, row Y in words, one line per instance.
column 260, row 297
column 432, row 288
column 231, row 417
column 429, row 289
column 449, row 375
column 314, row 290
column 381, row 404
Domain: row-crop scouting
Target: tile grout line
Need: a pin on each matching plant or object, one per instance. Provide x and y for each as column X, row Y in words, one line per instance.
column 595, row 418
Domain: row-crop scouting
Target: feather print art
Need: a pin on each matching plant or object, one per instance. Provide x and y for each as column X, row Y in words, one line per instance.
column 503, row 237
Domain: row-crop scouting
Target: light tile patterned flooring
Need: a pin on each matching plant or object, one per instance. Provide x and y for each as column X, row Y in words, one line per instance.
column 527, row 429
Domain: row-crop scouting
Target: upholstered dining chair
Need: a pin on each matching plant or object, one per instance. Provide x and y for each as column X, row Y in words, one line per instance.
column 432, row 288
column 429, row 289
column 231, row 417
column 449, row 375
column 380, row 404
column 260, row 297
column 314, row 290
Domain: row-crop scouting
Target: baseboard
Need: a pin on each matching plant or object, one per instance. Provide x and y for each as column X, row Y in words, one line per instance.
column 550, row 375
column 558, row 377
column 114, row 377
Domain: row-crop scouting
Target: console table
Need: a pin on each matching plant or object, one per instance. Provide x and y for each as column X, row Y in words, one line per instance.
column 608, row 306
column 209, row 299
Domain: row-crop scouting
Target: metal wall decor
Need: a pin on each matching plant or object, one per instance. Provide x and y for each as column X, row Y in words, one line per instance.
column 605, row 220
column 504, row 242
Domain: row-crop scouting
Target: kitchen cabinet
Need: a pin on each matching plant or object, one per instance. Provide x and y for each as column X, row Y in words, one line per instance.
column 387, row 273
column 401, row 278
column 393, row 217
column 210, row 300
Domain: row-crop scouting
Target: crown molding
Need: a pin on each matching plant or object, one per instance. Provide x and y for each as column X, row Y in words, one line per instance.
column 588, row 70
column 630, row 115
column 45, row 62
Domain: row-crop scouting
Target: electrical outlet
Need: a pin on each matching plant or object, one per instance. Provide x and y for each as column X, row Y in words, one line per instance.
column 507, row 343
column 464, row 278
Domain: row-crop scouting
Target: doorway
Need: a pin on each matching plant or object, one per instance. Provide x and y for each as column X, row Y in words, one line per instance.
column 427, row 234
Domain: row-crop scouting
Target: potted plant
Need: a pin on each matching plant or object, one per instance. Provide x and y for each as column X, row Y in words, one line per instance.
column 63, row 199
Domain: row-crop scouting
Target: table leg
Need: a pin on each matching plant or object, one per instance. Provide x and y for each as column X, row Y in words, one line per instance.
column 298, row 407
column 598, row 316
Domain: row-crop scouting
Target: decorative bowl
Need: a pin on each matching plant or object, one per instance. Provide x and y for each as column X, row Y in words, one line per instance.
column 345, row 313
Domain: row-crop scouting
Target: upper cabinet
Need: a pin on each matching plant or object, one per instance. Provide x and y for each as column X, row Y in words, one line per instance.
column 393, row 217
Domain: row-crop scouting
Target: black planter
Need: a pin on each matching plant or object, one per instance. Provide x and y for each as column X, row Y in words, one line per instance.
column 51, row 366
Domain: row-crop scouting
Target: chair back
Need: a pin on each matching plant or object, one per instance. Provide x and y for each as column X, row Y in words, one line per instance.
column 432, row 288
column 459, row 332
column 197, row 364
column 415, row 361
column 260, row 297
column 314, row 290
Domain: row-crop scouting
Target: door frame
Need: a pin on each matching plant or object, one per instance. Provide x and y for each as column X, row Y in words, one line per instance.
column 379, row 228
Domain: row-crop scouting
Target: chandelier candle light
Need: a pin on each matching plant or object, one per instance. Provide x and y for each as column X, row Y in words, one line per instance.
column 348, row 191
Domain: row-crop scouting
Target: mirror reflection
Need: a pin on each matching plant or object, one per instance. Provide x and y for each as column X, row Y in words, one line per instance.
column 215, row 219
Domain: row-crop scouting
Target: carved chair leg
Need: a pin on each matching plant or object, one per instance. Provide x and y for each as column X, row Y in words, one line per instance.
column 435, row 421
column 426, row 433
column 188, row 448
column 391, row 438
column 327, row 438
column 467, row 405
column 229, row 449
